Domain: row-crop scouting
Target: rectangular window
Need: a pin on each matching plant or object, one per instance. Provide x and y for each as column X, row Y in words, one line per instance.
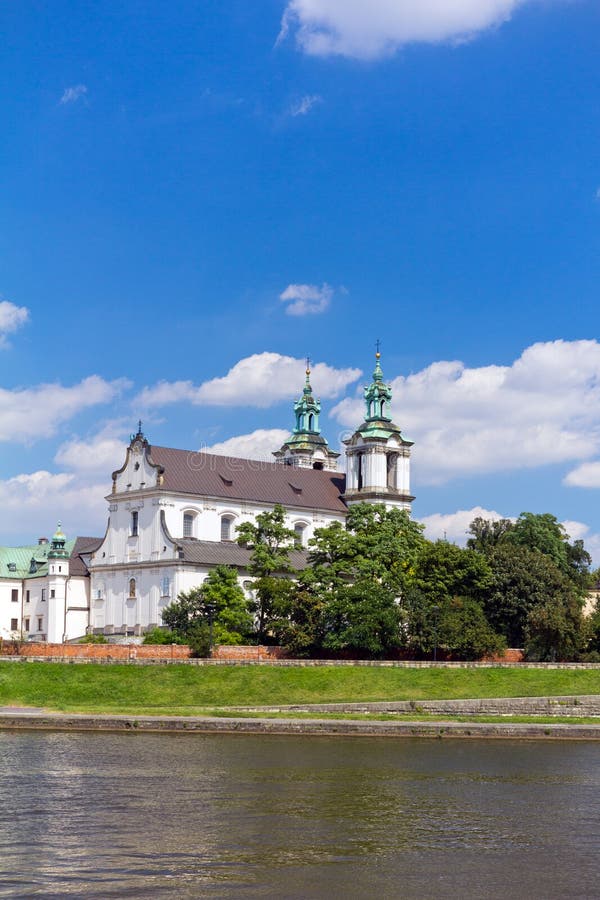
column 134, row 523
column 226, row 528
column 14, row 595
column 188, row 525
column 40, row 624
column 52, row 594
column 165, row 589
column 14, row 624
column 27, row 596
column 26, row 624
column 43, row 594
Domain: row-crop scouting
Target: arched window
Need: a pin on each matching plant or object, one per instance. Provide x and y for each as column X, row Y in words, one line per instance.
column 311, row 422
column 299, row 530
column 132, row 587
column 392, row 466
column 382, row 409
column 134, row 523
column 188, row 524
column 359, row 470
column 226, row 524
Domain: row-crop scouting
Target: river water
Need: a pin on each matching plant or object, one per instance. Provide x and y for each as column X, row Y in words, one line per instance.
column 107, row 815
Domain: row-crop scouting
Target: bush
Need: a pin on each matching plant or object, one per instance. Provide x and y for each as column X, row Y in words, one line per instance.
column 93, row 639
column 162, row 636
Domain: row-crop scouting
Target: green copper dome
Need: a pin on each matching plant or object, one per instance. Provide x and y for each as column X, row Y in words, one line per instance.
column 58, row 549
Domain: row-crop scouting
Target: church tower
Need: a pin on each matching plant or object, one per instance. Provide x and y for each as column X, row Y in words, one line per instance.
column 378, row 457
column 306, row 446
column 58, row 578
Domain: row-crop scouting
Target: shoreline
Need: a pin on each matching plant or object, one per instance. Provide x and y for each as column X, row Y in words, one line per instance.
column 28, row 720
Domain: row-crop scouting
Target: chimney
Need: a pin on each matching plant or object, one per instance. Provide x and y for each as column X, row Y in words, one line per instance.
column 42, row 541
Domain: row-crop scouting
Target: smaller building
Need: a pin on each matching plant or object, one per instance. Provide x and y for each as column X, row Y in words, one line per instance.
column 44, row 589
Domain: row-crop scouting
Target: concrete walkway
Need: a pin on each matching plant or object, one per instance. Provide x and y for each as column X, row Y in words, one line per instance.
column 38, row 720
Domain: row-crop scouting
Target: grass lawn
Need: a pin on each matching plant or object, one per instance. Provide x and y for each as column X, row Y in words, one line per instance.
column 186, row 690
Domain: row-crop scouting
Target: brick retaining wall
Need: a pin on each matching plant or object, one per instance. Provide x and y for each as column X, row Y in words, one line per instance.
column 100, row 652
column 246, row 653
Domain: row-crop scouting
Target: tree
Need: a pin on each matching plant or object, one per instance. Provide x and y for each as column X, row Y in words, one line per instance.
column 464, row 631
column 544, row 533
column 377, row 544
column 443, row 570
column 219, row 602
column 448, row 585
column 347, row 599
column 554, row 629
column 522, row 580
column 270, row 542
column 487, row 534
column 362, row 617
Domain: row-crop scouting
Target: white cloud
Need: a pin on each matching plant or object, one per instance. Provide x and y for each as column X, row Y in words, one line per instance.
column 11, row 319
column 306, row 299
column 454, row 527
column 587, row 475
column 261, row 380
column 73, row 94
column 100, row 453
column 259, row 444
column 370, row 30
column 33, row 503
column 28, row 414
column 303, row 106
column 542, row 409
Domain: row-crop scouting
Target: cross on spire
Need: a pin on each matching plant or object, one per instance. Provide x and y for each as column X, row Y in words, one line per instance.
column 377, row 348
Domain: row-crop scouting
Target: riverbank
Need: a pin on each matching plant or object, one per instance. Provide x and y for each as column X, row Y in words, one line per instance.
column 183, row 690
column 19, row 720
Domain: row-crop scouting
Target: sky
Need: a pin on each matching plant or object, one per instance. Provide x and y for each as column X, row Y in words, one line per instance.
column 196, row 196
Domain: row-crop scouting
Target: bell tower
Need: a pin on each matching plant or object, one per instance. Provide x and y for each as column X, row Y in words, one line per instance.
column 58, row 579
column 377, row 455
column 306, row 446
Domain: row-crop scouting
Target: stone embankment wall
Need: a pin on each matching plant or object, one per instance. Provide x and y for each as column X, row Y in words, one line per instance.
column 583, row 705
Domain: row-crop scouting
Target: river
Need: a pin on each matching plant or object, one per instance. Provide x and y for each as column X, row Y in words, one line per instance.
column 112, row 815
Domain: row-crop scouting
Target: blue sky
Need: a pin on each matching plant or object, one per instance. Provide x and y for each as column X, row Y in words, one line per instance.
column 425, row 173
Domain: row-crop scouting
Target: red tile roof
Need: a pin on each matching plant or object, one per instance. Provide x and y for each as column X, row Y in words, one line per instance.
column 228, row 477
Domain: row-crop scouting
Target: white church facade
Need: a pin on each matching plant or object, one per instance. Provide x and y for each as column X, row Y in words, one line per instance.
column 173, row 516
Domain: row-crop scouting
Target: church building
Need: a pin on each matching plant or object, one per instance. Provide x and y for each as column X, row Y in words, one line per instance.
column 173, row 513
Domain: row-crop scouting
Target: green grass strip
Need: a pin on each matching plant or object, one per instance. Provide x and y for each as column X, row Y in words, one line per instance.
column 169, row 689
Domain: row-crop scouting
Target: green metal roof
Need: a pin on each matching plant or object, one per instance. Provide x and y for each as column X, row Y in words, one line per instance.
column 21, row 558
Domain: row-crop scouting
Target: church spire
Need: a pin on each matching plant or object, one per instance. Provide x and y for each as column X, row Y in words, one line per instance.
column 378, row 395
column 306, row 446
column 377, row 455
column 307, row 409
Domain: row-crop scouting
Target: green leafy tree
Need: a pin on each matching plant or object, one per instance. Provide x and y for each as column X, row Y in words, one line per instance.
column 464, row 630
column 219, row 599
column 443, row 570
column 555, row 629
column 347, row 599
column 377, row 544
column 544, row 533
column 448, row 584
column 362, row 617
column 522, row 580
column 487, row 534
column 271, row 543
